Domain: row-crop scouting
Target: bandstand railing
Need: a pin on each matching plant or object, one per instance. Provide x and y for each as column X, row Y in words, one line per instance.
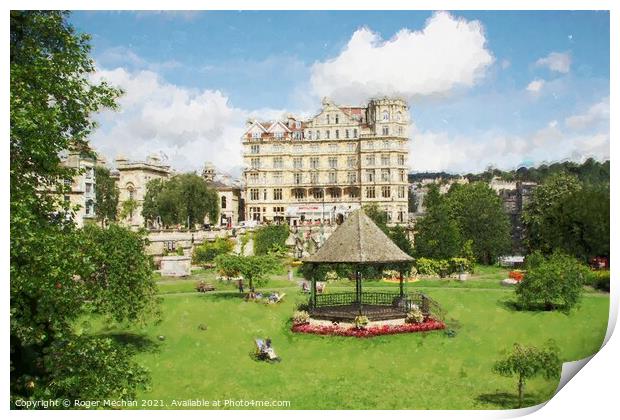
column 391, row 301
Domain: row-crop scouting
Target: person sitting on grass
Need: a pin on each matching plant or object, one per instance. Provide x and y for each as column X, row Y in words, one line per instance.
column 269, row 352
column 273, row 297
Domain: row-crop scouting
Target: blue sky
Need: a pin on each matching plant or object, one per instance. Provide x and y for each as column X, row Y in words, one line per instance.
column 485, row 88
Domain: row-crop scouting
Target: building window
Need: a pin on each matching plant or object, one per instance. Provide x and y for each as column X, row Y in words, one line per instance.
column 370, row 192
column 401, row 191
column 277, row 178
column 370, row 145
column 385, row 175
column 297, row 124
column 255, row 149
column 327, row 134
column 256, row 135
column 314, row 162
column 253, row 179
column 351, row 161
column 352, row 177
column 265, row 194
column 314, row 177
column 309, row 135
column 351, row 147
column 299, row 148
column 401, row 175
column 298, row 163
column 278, row 163
column 314, row 147
column 386, row 116
column 88, row 187
column 370, row 176
column 346, row 133
column 67, row 198
column 401, row 159
column 317, row 193
column 332, row 177
column 254, row 194
column 385, row 160
column 67, row 182
column 277, row 194
column 385, row 191
column 297, row 178
column 337, row 119
column 333, row 162
column 223, row 201
column 255, row 213
column 385, row 130
column 370, row 160
column 327, row 120
column 298, row 194
column 399, row 116
column 333, row 147
column 400, row 130
column 278, row 134
column 318, row 134
column 355, row 133
column 386, row 144
column 255, row 163
column 131, row 192
column 89, row 207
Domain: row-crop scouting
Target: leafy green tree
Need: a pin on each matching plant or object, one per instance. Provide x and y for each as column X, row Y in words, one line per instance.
column 541, row 214
column 437, row 234
column 106, row 194
column 254, row 268
column 57, row 275
column 398, row 235
column 554, row 282
column 128, row 208
column 150, row 205
column 182, row 199
column 526, row 362
column 479, row 214
column 268, row 238
column 377, row 215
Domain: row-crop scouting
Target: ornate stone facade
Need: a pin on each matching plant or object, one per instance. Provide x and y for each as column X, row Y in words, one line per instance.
column 324, row 167
column 229, row 196
column 82, row 194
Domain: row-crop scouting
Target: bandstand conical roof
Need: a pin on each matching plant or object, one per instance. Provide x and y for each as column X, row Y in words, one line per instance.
column 358, row 240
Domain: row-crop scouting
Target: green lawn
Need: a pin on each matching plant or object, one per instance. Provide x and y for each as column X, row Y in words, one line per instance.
column 409, row 371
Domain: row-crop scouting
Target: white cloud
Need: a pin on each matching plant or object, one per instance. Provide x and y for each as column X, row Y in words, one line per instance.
column 189, row 126
column 535, row 86
column 440, row 151
column 555, row 61
column 447, row 54
column 597, row 113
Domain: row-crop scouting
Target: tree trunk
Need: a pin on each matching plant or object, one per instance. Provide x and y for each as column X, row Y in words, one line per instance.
column 521, row 387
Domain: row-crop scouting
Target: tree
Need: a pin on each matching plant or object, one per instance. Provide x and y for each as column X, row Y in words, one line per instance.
column 437, row 235
column 150, row 209
column 182, row 199
column 527, row 362
column 396, row 233
column 206, row 252
column 128, row 208
column 254, row 269
column 57, row 273
column 556, row 281
column 106, row 194
column 268, row 238
column 377, row 215
column 541, row 214
column 479, row 214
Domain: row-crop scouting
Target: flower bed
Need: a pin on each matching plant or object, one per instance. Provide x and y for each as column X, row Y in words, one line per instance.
column 428, row 325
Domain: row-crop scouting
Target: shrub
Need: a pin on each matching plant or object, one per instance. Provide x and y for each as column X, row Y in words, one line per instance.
column 414, row 316
column 443, row 268
column 206, row 252
column 426, row 266
column 268, row 238
column 556, row 281
column 598, row 279
column 331, row 276
column 460, row 265
column 179, row 251
column 300, row 317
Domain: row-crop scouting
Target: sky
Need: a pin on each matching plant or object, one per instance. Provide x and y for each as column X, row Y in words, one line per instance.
column 501, row 89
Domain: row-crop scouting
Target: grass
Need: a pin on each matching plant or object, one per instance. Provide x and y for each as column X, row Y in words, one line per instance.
column 409, row 371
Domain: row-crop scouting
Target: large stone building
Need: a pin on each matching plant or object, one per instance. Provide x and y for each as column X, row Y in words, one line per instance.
column 324, row 167
column 230, row 200
column 132, row 177
column 81, row 196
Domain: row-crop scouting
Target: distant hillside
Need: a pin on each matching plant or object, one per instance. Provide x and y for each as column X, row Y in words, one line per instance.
column 589, row 172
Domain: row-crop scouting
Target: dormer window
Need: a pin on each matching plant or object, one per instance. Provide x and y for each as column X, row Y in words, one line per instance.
column 278, row 134
column 327, row 118
column 256, row 135
column 297, row 124
column 336, row 118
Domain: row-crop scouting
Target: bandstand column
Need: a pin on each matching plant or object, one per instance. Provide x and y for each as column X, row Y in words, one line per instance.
column 313, row 293
column 358, row 289
column 400, row 284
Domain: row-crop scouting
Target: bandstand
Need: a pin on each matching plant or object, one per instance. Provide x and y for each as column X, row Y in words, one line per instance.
column 358, row 241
